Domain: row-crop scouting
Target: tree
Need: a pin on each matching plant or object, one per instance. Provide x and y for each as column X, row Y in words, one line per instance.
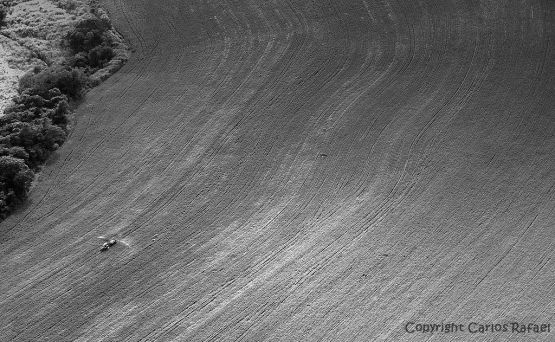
column 88, row 34
column 15, row 177
column 42, row 82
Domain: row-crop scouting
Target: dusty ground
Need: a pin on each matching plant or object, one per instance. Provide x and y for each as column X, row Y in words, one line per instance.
column 299, row 171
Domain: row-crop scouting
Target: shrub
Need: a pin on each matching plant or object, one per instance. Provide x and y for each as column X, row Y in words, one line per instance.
column 70, row 81
column 29, row 99
column 5, row 207
column 15, row 175
column 16, row 152
column 90, row 44
column 68, row 5
column 39, row 140
column 33, row 127
column 99, row 56
column 15, row 181
column 3, row 15
column 58, row 116
column 89, row 34
column 79, row 60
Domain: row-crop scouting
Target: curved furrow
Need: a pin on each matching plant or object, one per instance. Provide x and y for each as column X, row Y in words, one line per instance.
column 298, row 170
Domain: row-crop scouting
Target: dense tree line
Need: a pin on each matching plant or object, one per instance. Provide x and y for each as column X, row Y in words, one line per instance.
column 36, row 124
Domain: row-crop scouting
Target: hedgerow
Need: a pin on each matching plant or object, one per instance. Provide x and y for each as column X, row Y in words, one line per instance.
column 36, row 124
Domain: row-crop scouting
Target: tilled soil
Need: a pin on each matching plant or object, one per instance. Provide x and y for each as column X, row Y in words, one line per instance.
column 299, row 171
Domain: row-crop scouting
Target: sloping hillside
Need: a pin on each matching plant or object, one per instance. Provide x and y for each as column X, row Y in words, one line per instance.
column 299, row 171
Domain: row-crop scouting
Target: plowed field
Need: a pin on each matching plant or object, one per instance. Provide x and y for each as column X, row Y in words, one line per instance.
column 296, row 170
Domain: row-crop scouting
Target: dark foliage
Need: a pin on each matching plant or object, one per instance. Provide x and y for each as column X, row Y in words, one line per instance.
column 35, row 125
column 15, row 181
column 31, row 129
column 88, row 34
column 90, row 44
column 3, row 15
column 70, row 81
column 100, row 55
